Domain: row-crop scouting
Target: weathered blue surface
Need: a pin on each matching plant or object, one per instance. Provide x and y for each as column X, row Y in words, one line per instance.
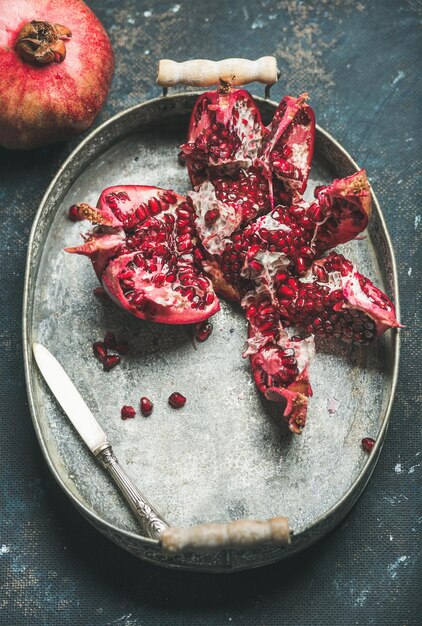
column 358, row 61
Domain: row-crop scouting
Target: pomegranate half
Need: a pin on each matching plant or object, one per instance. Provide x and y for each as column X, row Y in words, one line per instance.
column 146, row 254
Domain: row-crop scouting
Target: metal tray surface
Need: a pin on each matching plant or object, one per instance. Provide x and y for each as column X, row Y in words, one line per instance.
column 228, row 454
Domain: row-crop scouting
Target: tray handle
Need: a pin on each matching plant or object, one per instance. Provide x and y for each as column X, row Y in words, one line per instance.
column 238, row 535
column 204, row 73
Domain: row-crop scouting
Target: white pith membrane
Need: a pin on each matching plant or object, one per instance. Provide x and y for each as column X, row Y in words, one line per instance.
column 299, row 157
column 214, row 236
column 249, row 130
column 383, row 317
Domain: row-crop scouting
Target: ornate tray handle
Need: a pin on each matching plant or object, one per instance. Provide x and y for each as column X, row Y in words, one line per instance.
column 204, row 73
column 238, row 535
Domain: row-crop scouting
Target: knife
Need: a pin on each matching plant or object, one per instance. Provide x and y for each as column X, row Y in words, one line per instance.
column 152, row 524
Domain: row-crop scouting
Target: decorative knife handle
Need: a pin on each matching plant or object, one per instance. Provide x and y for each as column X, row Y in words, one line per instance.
column 152, row 524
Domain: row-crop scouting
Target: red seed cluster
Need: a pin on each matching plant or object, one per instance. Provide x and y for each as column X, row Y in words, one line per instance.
column 101, row 348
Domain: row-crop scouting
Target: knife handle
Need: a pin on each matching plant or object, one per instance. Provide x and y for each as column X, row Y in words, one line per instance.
column 152, row 524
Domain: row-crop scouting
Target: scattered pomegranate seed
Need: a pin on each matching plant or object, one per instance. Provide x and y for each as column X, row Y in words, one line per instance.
column 100, row 351
column 176, row 400
column 203, row 331
column 368, row 443
column 110, row 339
column 110, row 361
column 73, row 214
column 127, row 412
column 146, row 406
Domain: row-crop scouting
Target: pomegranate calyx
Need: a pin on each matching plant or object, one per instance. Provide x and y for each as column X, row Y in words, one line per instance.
column 94, row 215
column 226, row 84
column 42, row 43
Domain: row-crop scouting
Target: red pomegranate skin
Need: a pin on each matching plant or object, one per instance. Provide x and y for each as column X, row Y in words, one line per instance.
column 42, row 104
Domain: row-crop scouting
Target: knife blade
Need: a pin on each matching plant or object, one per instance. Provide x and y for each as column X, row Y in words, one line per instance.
column 69, row 399
column 79, row 414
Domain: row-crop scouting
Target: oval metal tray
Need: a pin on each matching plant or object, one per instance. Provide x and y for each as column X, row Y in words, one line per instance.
column 227, row 454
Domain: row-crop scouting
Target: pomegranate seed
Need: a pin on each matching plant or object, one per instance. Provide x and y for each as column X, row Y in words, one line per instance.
column 300, row 265
column 203, row 331
column 211, row 216
column 74, row 215
column 368, row 443
column 159, row 280
column 170, row 197
column 100, row 350
column 203, row 283
column 110, row 339
column 285, row 290
column 146, row 406
column 280, row 277
column 127, row 412
column 110, row 361
column 176, row 400
column 154, row 206
column 256, row 265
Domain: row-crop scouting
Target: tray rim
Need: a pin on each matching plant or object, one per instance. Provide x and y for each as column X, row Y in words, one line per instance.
column 349, row 498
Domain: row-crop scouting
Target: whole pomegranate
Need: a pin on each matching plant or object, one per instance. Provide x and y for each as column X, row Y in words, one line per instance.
column 56, row 65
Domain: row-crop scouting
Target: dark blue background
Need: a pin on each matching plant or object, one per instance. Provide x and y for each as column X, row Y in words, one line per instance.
column 358, row 61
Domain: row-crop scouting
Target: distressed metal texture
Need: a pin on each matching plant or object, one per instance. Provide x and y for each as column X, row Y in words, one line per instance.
column 360, row 62
column 227, row 455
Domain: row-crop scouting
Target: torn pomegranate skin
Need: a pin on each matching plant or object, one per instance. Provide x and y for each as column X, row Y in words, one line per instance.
column 368, row 443
column 176, row 400
column 333, row 299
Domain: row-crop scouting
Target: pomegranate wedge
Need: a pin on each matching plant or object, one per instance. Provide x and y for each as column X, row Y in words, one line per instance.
column 225, row 134
column 145, row 252
column 289, row 145
column 335, row 299
column 279, row 362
